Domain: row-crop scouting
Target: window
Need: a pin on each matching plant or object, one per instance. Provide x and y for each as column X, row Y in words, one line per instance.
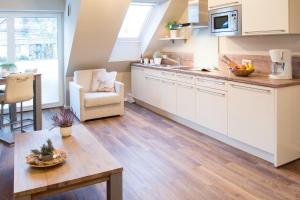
column 33, row 42
column 135, row 19
column 3, row 40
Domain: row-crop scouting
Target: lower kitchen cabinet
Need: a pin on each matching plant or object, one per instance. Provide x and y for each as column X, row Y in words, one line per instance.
column 186, row 101
column 138, row 82
column 152, row 92
column 168, row 96
column 251, row 115
column 211, row 109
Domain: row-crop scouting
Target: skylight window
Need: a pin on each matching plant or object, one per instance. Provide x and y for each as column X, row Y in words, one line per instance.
column 135, row 19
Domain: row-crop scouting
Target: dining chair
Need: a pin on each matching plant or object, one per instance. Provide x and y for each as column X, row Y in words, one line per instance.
column 19, row 88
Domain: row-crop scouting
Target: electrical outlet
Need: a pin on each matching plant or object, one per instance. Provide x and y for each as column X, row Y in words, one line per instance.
column 245, row 62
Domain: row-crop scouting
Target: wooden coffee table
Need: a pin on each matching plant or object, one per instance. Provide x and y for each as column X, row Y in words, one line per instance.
column 87, row 163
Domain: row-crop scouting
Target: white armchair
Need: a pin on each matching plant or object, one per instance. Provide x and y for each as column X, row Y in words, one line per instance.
column 92, row 105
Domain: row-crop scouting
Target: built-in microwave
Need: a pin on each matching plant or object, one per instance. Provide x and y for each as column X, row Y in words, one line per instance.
column 226, row 21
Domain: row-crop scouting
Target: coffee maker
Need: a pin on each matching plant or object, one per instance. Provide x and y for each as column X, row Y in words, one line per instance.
column 281, row 64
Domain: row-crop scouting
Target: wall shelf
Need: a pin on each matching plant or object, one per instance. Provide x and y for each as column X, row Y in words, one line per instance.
column 174, row 39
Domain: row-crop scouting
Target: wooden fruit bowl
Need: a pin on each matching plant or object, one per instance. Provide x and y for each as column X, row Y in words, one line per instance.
column 241, row 72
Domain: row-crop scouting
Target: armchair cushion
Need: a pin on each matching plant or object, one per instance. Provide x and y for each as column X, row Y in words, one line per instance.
column 94, row 99
column 103, row 81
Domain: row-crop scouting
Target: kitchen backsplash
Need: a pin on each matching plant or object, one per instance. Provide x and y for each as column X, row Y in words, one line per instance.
column 262, row 63
column 186, row 59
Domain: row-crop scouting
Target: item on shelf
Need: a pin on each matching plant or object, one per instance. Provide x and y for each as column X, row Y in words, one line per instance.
column 146, row 61
column 243, row 70
column 157, row 56
column 46, row 156
column 172, row 27
column 64, row 119
column 141, row 59
column 281, row 64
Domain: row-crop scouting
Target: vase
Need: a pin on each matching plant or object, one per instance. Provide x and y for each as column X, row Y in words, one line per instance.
column 173, row 33
column 65, row 131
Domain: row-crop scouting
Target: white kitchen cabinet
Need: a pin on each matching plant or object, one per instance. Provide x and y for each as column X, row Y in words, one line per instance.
column 211, row 109
column 214, row 4
column 152, row 93
column 270, row 17
column 168, row 96
column 138, row 82
column 251, row 115
column 186, row 101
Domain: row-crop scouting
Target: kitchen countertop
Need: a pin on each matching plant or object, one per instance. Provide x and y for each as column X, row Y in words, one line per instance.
column 255, row 78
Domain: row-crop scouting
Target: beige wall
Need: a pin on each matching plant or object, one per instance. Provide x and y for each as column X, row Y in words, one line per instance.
column 32, row 5
column 259, row 45
column 204, row 47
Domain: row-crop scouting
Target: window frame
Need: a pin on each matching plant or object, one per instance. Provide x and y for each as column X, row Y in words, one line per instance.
column 11, row 54
column 147, row 20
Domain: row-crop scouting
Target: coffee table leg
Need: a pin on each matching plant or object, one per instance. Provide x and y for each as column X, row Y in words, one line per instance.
column 23, row 198
column 114, row 187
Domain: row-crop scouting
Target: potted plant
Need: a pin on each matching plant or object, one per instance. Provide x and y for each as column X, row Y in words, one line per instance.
column 157, row 56
column 7, row 67
column 46, row 151
column 172, row 27
column 64, row 119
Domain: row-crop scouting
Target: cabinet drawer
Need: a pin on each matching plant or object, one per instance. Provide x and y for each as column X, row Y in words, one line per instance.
column 168, row 75
column 185, row 78
column 211, row 83
column 152, row 73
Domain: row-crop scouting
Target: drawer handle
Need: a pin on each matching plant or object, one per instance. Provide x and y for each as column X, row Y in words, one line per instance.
column 267, row 31
column 185, row 86
column 168, row 82
column 212, row 93
column 224, row 4
column 168, row 74
column 251, row 89
column 211, row 81
column 153, row 78
column 186, row 77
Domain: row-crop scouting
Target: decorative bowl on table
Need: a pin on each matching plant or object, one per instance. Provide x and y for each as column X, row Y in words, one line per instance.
column 35, row 160
column 46, row 156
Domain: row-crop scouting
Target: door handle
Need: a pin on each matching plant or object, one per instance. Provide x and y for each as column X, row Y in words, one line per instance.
column 251, row 89
column 266, row 31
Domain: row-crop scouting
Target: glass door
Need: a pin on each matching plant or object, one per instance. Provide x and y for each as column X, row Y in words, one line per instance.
column 3, row 39
column 33, row 43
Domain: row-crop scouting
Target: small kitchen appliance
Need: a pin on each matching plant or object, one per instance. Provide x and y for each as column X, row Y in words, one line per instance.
column 226, row 21
column 281, row 64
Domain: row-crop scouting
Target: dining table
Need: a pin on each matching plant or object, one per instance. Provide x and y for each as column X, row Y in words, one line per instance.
column 37, row 108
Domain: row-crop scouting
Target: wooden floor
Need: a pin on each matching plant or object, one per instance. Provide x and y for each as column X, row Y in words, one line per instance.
column 164, row 160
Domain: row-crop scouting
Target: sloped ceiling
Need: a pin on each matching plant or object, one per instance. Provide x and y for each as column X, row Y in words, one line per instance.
column 97, row 28
column 174, row 12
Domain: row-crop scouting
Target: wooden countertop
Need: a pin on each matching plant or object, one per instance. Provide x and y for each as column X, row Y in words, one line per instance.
column 255, row 78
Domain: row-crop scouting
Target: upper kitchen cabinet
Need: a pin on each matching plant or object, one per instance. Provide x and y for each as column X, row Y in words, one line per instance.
column 214, row 4
column 270, row 17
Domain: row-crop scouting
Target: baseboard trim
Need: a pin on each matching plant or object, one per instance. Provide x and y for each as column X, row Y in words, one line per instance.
column 218, row 136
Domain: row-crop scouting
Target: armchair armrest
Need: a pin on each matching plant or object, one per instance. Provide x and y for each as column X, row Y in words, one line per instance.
column 76, row 98
column 119, row 87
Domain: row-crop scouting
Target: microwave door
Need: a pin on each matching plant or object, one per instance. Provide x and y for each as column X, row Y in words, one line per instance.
column 221, row 23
